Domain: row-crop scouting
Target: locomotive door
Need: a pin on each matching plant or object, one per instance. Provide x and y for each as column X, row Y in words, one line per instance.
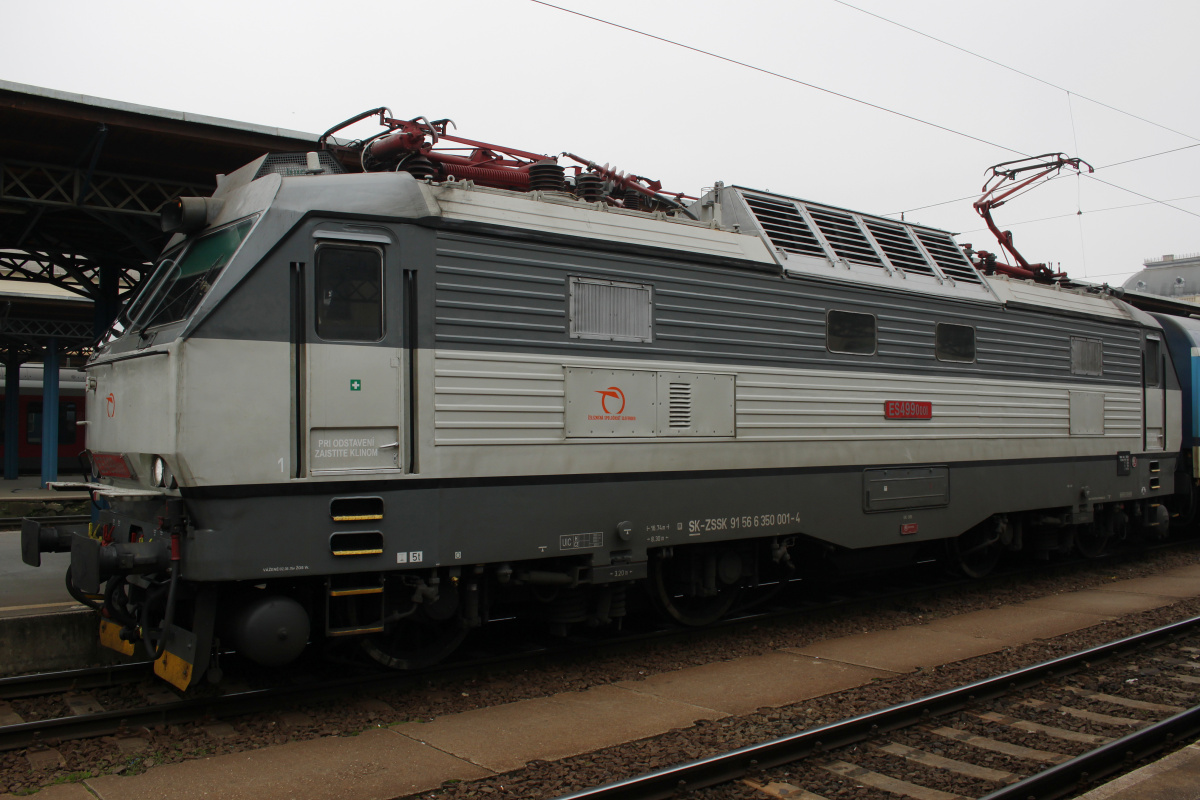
column 1153, row 396
column 352, row 359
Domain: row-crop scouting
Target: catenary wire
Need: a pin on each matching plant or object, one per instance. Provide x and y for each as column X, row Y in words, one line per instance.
column 799, row 82
column 1014, row 69
column 1056, row 177
column 1088, row 211
column 780, row 75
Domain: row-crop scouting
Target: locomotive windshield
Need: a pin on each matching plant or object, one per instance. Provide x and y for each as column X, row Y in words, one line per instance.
column 181, row 280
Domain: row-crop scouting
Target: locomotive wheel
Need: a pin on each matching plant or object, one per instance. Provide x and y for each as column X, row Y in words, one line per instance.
column 416, row 642
column 666, row 576
column 976, row 552
column 1091, row 540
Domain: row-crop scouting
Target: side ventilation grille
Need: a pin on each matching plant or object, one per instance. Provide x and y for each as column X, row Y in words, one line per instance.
column 680, row 408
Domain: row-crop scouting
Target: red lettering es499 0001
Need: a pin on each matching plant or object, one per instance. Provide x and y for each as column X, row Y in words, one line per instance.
column 907, row 409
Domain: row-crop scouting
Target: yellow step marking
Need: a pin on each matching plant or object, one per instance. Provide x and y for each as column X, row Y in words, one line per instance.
column 351, row 592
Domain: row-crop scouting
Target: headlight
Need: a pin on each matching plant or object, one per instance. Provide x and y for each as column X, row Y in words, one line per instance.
column 159, row 471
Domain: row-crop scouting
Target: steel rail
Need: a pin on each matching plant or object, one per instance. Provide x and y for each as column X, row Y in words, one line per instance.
column 725, row 767
column 71, row 680
column 1089, row 768
column 184, row 710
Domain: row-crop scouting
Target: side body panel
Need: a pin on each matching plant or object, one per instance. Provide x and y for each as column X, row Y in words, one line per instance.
column 505, row 470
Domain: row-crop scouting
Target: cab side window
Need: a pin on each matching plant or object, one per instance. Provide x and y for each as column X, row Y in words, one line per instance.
column 1152, row 360
column 349, row 296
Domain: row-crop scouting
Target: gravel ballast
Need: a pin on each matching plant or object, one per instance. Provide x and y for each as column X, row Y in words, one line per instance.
column 138, row 750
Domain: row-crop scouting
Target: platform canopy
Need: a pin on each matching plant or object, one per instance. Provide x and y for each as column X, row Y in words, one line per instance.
column 82, row 180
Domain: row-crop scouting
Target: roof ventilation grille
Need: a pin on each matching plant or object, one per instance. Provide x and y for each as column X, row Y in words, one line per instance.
column 844, row 236
column 785, row 226
column 949, row 257
column 290, row 165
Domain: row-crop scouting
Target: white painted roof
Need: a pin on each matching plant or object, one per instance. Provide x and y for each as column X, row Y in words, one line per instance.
column 558, row 214
column 1080, row 301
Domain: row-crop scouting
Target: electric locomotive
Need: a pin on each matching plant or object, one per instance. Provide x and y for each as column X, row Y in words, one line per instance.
column 374, row 393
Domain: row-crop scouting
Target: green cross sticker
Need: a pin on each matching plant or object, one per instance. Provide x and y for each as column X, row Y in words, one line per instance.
column 355, row 384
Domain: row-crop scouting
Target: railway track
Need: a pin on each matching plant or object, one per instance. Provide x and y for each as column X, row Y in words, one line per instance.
column 1031, row 734
column 91, row 715
column 72, row 680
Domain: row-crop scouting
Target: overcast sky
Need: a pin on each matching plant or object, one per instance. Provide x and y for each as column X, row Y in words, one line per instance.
column 519, row 73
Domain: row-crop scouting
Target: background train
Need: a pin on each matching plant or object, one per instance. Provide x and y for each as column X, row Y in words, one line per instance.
column 72, row 438
column 378, row 407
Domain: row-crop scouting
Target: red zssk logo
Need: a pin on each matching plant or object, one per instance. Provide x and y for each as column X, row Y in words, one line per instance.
column 612, row 392
column 112, row 405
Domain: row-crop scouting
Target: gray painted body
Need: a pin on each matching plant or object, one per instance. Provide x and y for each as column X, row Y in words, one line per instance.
column 477, row 372
column 475, row 522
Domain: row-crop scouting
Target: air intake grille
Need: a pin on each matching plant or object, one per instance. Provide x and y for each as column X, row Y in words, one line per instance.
column 797, row 226
column 844, row 236
column 949, row 257
column 296, row 164
column 680, row 405
column 899, row 247
column 611, row 310
column 785, row 226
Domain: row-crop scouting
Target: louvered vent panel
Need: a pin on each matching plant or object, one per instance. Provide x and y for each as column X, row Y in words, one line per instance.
column 609, row 310
column 949, row 257
column 680, row 405
column 844, row 235
column 785, row 226
column 899, row 247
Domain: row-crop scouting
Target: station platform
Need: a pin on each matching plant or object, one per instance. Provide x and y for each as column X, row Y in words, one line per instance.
column 28, row 488
column 1175, row 777
column 409, row 757
column 26, row 590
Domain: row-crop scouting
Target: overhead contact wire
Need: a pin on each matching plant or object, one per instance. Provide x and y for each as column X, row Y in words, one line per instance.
column 1139, row 194
column 780, row 75
column 1056, row 177
column 1014, row 69
column 1090, row 211
column 797, row 81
